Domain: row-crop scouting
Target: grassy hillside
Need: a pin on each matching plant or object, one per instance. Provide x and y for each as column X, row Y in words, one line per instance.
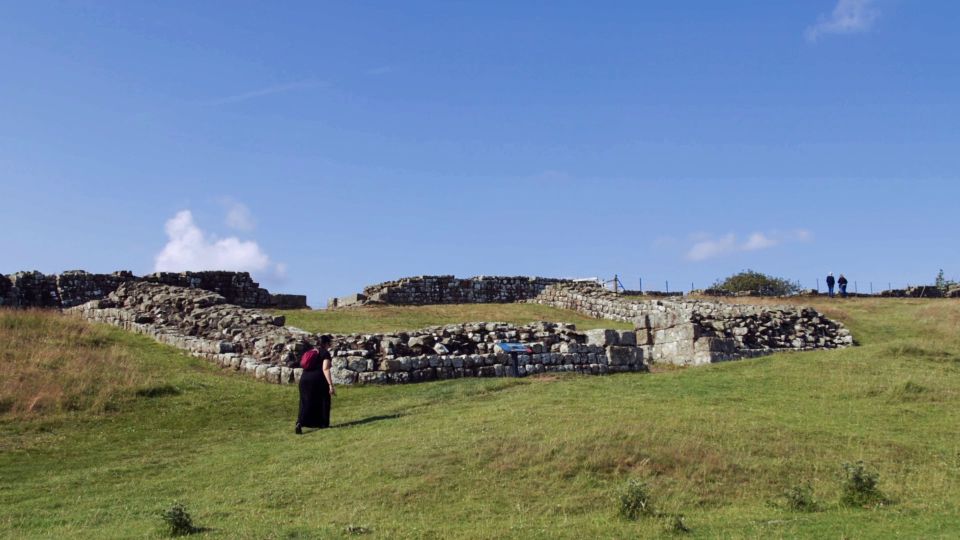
column 529, row 458
column 395, row 318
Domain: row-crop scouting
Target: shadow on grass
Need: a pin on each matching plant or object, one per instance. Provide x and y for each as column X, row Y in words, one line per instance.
column 368, row 420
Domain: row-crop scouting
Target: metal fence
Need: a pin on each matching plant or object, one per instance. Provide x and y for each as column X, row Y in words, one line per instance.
column 855, row 287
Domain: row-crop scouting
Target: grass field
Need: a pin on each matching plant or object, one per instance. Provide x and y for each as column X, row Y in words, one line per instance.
column 505, row 458
column 395, row 318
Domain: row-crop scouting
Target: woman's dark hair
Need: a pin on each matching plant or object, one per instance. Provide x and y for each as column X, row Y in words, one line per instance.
column 326, row 339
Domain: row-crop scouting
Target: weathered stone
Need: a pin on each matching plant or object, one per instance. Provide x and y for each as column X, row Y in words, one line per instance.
column 602, row 337
column 621, row 355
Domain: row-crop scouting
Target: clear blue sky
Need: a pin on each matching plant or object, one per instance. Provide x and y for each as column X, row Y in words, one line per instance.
column 329, row 145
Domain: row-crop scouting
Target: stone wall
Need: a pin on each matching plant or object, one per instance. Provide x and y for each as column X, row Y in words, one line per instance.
column 683, row 331
column 205, row 325
column 75, row 287
column 923, row 291
column 427, row 290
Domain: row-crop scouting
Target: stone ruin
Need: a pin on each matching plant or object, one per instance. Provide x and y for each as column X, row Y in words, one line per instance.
column 677, row 331
column 429, row 290
column 688, row 332
column 75, row 287
column 671, row 328
column 923, row 291
column 252, row 342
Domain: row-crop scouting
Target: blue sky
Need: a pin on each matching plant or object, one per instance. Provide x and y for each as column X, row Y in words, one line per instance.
column 328, row 145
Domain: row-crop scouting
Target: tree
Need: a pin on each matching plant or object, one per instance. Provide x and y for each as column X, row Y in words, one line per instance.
column 752, row 281
column 944, row 284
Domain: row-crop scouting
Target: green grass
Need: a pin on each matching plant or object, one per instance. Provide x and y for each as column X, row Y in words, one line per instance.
column 528, row 458
column 374, row 319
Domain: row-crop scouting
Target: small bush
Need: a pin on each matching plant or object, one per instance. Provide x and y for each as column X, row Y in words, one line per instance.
column 676, row 525
column 178, row 520
column 860, row 486
column 752, row 281
column 159, row 390
column 800, row 498
column 635, row 501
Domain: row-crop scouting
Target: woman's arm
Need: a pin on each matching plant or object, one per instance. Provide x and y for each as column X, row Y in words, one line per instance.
column 326, row 373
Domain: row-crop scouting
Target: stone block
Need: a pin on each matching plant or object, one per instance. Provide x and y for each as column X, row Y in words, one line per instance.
column 602, row 337
column 356, row 363
column 260, row 371
column 343, row 376
column 618, row 355
column 712, row 344
column 628, row 338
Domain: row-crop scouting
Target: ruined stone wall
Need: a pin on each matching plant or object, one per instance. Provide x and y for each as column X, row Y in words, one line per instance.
column 205, row 325
column 75, row 287
column 428, row 290
column 685, row 331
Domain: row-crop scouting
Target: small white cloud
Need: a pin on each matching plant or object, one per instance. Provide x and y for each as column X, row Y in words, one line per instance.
column 189, row 248
column 238, row 216
column 847, row 17
column 759, row 241
column 710, row 247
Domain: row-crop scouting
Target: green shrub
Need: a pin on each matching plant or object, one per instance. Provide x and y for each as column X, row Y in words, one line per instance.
column 860, row 486
column 676, row 525
column 635, row 501
column 357, row 529
column 943, row 283
column 178, row 520
column 800, row 498
column 752, row 281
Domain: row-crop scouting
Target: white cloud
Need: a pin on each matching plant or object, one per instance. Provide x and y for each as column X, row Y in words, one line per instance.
column 847, row 17
column 707, row 249
column 238, row 216
column 759, row 241
column 710, row 247
column 189, row 248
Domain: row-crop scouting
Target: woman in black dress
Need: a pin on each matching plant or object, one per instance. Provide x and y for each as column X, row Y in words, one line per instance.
column 316, row 389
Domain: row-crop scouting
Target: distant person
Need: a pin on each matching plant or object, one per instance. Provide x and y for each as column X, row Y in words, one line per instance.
column 316, row 387
column 830, row 284
column 842, row 282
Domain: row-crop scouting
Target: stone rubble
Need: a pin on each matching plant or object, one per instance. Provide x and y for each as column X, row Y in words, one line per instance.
column 75, row 287
column 429, row 290
column 258, row 344
column 685, row 331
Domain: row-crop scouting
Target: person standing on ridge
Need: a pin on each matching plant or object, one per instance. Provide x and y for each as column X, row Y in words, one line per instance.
column 830, row 283
column 842, row 282
column 316, row 387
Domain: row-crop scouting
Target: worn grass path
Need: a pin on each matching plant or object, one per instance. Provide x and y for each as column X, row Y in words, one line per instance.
column 529, row 458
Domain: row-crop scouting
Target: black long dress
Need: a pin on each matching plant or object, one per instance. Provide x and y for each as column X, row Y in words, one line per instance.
column 315, row 396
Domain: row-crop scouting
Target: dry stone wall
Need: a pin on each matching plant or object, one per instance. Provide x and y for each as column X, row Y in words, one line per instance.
column 255, row 343
column 428, row 290
column 698, row 332
column 75, row 287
